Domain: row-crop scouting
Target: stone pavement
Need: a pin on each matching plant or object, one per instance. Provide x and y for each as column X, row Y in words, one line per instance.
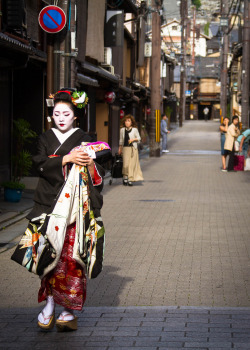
column 140, row 328
column 176, row 269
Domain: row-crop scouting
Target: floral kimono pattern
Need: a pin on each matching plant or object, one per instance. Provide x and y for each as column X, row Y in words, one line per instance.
column 42, row 243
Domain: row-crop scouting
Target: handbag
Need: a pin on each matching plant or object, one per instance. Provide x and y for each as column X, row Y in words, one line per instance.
column 239, row 162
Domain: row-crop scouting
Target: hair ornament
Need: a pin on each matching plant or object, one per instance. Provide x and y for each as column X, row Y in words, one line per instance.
column 79, row 98
column 50, row 101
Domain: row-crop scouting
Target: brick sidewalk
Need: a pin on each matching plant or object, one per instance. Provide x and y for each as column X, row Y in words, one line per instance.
column 141, row 328
column 180, row 238
column 183, row 236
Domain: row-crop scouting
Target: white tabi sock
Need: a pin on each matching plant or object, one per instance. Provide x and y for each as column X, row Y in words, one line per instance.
column 66, row 315
column 47, row 311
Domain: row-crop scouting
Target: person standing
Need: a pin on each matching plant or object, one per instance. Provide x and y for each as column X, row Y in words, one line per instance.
column 60, row 159
column 232, row 133
column 206, row 111
column 128, row 147
column 223, row 131
column 244, row 141
column 164, row 133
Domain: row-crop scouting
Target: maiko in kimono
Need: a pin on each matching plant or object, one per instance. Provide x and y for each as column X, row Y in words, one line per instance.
column 65, row 236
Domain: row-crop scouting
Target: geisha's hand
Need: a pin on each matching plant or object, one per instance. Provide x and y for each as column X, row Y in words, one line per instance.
column 91, row 166
column 88, row 161
column 78, row 157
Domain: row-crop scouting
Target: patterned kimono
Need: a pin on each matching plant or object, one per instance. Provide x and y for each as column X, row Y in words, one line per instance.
column 67, row 280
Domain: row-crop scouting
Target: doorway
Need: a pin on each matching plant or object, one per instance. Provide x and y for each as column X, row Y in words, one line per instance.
column 201, row 114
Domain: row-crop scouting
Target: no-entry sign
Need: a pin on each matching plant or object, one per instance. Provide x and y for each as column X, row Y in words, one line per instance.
column 52, row 19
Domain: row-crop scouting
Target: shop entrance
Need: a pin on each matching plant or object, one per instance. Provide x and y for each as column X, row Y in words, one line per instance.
column 201, row 111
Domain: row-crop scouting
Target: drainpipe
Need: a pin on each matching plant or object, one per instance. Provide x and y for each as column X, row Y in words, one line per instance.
column 245, row 66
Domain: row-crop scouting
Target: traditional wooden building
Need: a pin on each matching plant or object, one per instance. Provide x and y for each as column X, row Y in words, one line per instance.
column 100, row 50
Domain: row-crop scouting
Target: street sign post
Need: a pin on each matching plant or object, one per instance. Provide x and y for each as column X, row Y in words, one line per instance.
column 52, row 19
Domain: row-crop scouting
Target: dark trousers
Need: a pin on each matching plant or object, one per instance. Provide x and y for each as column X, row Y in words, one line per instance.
column 230, row 165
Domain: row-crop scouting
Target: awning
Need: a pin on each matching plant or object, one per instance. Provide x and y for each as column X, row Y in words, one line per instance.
column 139, row 86
column 125, row 90
column 18, row 46
column 14, row 44
column 208, row 99
column 129, row 6
column 83, row 79
column 100, row 72
column 136, row 98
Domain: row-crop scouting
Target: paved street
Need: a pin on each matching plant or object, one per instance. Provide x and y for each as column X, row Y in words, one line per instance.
column 177, row 260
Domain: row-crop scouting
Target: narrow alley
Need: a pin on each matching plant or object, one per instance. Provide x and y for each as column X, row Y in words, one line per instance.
column 176, row 268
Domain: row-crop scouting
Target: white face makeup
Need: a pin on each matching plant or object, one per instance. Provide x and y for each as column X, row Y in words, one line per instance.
column 63, row 117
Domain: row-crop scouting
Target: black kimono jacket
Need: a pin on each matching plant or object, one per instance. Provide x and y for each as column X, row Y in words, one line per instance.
column 51, row 173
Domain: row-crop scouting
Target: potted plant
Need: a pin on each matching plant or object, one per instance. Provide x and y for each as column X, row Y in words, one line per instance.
column 21, row 160
column 168, row 112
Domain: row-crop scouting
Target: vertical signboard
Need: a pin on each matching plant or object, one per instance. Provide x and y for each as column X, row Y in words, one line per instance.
column 148, row 49
column 114, row 28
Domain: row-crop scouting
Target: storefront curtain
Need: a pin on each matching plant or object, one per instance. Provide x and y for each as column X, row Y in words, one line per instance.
column 95, row 30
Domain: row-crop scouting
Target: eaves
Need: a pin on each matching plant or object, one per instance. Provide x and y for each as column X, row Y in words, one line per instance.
column 6, row 41
column 99, row 72
column 129, row 6
column 128, row 35
column 17, row 46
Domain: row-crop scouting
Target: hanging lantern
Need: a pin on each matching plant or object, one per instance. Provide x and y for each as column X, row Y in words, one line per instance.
column 148, row 110
column 110, row 97
column 121, row 113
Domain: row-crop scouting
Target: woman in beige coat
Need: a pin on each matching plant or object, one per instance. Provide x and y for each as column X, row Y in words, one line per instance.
column 232, row 133
column 128, row 147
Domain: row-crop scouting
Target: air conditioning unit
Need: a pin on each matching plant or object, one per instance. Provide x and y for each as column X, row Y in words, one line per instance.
column 107, row 56
column 110, row 69
column 16, row 14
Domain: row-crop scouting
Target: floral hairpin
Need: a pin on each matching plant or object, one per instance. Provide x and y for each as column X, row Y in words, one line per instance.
column 79, row 98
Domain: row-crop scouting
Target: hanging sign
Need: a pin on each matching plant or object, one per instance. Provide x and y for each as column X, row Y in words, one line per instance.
column 148, row 49
column 52, row 19
column 114, row 28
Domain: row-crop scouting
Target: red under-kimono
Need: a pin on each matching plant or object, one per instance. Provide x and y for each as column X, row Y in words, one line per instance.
column 67, row 282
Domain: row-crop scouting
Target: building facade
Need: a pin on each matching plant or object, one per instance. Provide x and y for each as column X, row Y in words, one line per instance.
column 101, row 50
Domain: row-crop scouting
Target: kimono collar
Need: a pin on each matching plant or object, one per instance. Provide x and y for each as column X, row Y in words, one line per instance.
column 62, row 137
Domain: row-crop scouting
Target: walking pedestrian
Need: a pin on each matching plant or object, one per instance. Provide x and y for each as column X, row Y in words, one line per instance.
column 128, row 147
column 62, row 160
column 206, row 111
column 223, row 131
column 232, row 133
column 164, row 133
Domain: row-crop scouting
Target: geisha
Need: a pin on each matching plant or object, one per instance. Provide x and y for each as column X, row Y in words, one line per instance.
column 64, row 154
